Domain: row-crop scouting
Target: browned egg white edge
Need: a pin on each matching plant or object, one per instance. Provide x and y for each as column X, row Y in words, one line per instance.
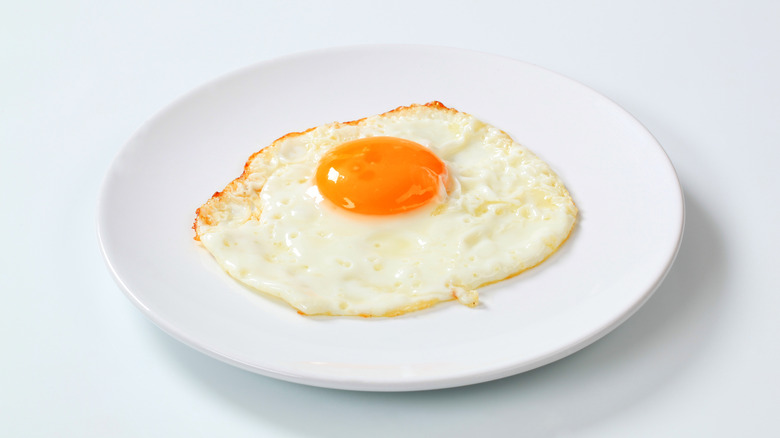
column 203, row 216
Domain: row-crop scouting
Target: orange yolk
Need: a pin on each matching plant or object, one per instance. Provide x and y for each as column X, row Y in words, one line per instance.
column 380, row 175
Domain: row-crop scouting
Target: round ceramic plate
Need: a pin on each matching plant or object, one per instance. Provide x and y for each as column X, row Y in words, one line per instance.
column 626, row 238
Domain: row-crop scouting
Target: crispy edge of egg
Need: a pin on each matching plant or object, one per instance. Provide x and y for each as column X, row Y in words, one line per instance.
column 241, row 188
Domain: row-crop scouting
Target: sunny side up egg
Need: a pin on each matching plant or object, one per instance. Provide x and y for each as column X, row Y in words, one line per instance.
column 388, row 214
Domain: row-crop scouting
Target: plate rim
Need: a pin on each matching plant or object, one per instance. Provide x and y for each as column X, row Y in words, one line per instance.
column 359, row 384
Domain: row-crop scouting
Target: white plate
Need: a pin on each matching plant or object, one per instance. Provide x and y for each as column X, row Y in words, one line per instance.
column 630, row 225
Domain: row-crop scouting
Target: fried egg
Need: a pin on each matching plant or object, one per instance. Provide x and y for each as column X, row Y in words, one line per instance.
column 387, row 214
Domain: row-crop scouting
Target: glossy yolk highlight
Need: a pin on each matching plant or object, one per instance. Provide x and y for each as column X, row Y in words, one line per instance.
column 380, row 175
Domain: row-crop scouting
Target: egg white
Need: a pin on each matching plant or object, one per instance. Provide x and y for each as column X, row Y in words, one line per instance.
column 503, row 212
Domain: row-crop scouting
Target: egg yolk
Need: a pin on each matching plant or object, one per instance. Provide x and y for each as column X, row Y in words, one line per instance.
column 380, row 175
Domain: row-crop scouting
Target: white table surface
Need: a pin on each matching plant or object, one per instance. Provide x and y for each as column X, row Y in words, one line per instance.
column 701, row 358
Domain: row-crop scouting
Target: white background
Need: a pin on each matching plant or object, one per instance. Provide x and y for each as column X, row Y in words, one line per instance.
column 701, row 358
